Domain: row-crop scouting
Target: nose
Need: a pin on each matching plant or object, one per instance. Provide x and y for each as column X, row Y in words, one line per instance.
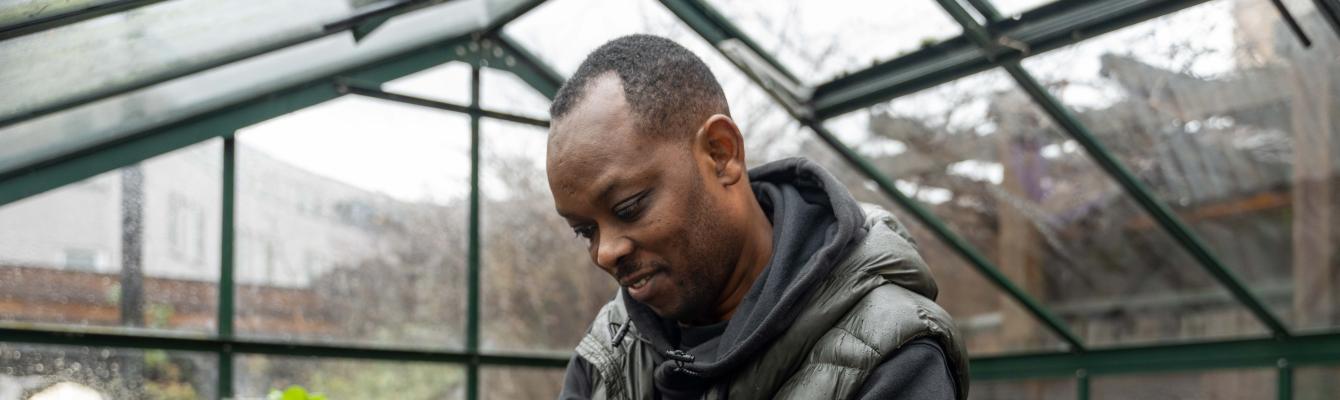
column 610, row 251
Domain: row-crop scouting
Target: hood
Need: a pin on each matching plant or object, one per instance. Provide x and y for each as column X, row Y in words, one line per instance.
column 816, row 223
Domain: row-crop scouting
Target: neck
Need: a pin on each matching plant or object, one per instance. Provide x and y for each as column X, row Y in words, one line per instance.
column 754, row 257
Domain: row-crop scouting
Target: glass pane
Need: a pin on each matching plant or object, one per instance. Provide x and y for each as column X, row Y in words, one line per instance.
column 85, row 126
column 504, row 91
column 502, row 383
column 13, row 12
column 1316, row 383
column 540, row 288
column 1230, row 121
column 1013, row 8
column 126, row 47
column 822, row 40
column 84, row 372
column 1225, row 385
column 448, row 82
column 135, row 247
column 979, row 154
column 258, row 375
column 989, row 321
column 1052, row 389
column 351, row 225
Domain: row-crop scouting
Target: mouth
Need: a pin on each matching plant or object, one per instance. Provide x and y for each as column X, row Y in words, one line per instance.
column 640, row 286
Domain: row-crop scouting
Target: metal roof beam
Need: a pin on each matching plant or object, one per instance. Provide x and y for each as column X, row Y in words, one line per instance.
column 1109, row 163
column 1231, row 354
column 46, row 22
column 200, row 343
column 372, row 12
column 1045, row 28
column 715, row 28
column 50, row 174
column 772, row 80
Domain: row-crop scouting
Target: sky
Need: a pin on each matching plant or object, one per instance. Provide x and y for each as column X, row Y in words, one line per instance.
column 418, row 154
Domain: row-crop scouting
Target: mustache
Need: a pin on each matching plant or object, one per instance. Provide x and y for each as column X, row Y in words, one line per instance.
column 628, row 268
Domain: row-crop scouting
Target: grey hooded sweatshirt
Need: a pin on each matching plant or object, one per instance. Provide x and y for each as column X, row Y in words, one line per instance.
column 820, row 292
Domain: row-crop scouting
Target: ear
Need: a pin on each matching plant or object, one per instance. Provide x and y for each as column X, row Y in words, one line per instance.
column 719, row 142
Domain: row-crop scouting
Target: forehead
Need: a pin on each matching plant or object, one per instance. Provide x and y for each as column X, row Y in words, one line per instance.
column 597, row 142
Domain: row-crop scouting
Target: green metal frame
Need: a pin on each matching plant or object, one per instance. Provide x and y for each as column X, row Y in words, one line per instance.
column 708, row 29
column 367, row 15
column 1159, row 211
column 44, row 22
column 1048, row 27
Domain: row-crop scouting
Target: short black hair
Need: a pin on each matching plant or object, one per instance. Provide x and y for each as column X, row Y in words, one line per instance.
column 668, row 88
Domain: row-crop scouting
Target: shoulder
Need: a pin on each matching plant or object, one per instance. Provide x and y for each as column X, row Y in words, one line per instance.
column 896, row 322
column 918, row 370
column 890, row 315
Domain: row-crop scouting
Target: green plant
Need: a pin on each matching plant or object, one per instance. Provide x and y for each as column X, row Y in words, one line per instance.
column 294, row 392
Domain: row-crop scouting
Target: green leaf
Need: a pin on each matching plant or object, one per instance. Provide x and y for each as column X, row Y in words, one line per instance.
column 295, row 392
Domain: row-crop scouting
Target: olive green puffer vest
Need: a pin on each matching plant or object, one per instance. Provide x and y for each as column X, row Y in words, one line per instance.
column 876, row 300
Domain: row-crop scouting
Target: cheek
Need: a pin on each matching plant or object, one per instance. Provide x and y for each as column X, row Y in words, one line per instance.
column 666, row 237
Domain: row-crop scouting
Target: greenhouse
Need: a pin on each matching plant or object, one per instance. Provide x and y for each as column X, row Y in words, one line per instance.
column 1119, row 199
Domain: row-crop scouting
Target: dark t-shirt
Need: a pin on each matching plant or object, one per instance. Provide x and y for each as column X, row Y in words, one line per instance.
column 918, row 370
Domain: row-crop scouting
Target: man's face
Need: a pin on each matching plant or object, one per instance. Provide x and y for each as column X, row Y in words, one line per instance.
column 647, row 212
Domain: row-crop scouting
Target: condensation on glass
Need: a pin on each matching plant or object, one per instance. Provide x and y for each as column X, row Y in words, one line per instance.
column 255, row 376
column 134, row 247
column 1223, row 114
column 351, row 225
column 83, row 372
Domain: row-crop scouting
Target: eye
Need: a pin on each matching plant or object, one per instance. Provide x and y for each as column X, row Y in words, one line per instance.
column 629, row 210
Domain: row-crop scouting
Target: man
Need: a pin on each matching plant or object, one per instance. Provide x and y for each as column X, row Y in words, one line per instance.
column 759, row 284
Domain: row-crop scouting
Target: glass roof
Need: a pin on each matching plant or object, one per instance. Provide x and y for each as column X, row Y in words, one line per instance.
column 134, row 45
column 13, row 12
column 448, row 83
column 55, row 75
column 1206, row 108
column 505, row 92
column 821, row 40
column 987, row 161
column 1012, row 8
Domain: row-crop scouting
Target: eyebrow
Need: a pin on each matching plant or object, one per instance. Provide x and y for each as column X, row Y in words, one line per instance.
column 603, row 195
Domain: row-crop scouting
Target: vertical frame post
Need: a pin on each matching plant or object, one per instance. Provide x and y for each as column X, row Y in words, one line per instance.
column 224, row 318
column 1285, row 380
column 1082, row 384
column 472, row 292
